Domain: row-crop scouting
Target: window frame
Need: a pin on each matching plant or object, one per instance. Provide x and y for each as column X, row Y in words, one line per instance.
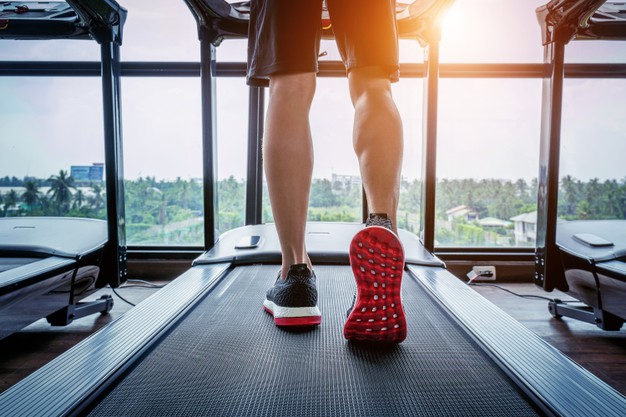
column 327, row 69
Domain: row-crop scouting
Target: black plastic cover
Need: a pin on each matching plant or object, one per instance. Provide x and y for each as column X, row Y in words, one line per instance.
column 575, row 238
column 53, row 236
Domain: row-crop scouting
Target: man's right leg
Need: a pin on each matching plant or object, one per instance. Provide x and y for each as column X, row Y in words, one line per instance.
column 288, row 160
column 283, row 46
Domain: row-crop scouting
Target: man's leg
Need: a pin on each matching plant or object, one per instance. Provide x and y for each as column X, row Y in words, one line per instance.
column 376, row 253
column 288, row 160
column 377, row 139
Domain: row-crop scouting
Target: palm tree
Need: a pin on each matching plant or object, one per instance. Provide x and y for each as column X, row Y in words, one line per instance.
column 79, row 199
column 10, row 200
column 31, row 195
column 97, row 201
column 60, row 189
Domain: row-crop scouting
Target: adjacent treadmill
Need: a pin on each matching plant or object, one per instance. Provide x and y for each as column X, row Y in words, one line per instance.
column 204, row 346
column 586, row 259
column 48, row 264
column 593, row 253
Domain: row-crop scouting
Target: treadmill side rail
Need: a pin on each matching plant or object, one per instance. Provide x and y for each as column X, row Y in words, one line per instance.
column 541, row 370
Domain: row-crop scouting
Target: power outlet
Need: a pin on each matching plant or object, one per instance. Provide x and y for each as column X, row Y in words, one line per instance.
column 485, row 273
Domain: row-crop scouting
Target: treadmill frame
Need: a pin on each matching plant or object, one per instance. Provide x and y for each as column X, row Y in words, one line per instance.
column 562, row 21
column 102, row 21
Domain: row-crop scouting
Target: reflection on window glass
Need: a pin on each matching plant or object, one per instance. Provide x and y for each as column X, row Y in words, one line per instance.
column 488, row 151
column 163, row 161
column 593, row 145
column 52, row 156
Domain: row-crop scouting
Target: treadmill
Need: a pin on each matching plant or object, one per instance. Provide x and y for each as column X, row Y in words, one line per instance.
column 204, row 346
column 47, row 265
column 586, row 259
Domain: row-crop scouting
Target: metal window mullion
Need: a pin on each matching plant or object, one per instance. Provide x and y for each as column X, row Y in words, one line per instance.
column 209, row 141
column 254, row 184
column 114, row 266
column 546, row 252
column 429, row 146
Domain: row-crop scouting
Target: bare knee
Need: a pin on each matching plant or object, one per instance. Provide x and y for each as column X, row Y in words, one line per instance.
column 368, row 84
column 293, row 89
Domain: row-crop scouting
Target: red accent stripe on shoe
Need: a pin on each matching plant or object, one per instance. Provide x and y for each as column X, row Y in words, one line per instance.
column 377, row 260
column 295, row 321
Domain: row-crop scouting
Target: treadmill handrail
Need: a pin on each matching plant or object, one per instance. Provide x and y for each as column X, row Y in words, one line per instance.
column 100, row 20
column 565, row 20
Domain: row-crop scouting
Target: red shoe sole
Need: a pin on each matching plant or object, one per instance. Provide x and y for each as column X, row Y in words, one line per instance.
column 377, row 260
column 295, row 321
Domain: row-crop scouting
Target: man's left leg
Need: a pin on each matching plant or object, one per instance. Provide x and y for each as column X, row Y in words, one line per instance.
column 376, row 253
column 377, row 139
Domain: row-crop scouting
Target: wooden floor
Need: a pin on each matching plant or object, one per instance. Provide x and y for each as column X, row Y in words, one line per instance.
column 602, row 353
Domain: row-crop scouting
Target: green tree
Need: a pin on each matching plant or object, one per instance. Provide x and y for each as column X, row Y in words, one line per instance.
column 31, row 196
column 97, row 198
column 322, row 194
column 10, row 200
column 79, row 199
column 61, row 191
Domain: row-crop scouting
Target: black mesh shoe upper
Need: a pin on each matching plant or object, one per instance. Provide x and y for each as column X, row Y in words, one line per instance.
column 299, row 289
column 379, row 219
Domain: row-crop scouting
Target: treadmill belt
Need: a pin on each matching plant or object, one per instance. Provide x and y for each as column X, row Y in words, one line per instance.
column 226, row 358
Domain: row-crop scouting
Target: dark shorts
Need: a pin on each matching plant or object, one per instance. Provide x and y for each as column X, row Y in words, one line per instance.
column 284, row 36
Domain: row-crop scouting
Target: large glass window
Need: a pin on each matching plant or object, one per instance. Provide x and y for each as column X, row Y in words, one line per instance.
column 487, row 159
column 408, row 97
column 232, row 152
column 160, row 30
column 163, row 161
column 593, row 145
column 52, row 147
column 481, row 31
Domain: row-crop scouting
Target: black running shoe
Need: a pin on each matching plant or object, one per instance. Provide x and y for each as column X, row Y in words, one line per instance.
column 293, row 301
column 377, row 260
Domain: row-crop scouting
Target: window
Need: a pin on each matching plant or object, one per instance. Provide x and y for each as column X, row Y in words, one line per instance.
column 51, row 131
column 593, row 145
column 488, row 152
column 232, row 152
column 481, row 31
column 163, row 161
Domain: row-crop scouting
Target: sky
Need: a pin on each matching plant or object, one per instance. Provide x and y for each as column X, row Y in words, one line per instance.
column 487, row 128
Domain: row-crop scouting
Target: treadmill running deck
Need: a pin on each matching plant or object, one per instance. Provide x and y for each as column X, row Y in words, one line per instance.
column 228, row 358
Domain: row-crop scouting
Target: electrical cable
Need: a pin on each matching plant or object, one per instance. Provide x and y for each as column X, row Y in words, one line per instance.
column 121, row 298
column 142, row 284
column 531, row 296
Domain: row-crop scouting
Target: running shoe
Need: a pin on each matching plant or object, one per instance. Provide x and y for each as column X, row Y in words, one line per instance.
column 377, row 261
column 293, row 300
